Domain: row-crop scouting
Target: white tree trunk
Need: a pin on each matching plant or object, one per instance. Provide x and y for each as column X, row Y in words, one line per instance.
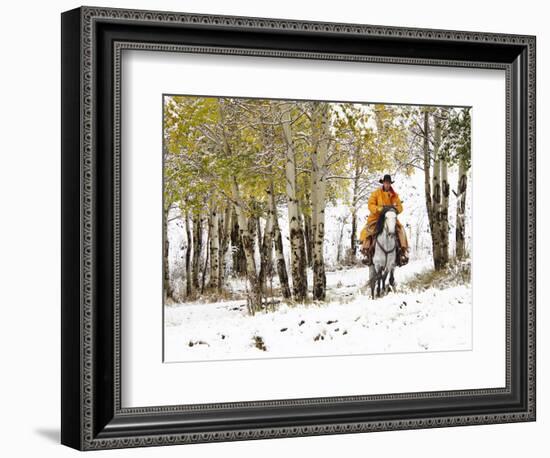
column 280, row 262
column 297, row 244
column 168, row 292
column 354, row 202
column 225, row 234
column 318, row 195
column 254, row 295
column 461, row 210
column 444, row 213
column 214, row 248
column 266, row 251
column 437, row 198
column 188, row 262
column 197, row 248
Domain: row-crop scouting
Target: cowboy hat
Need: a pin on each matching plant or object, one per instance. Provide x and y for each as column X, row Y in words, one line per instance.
column 386, row 178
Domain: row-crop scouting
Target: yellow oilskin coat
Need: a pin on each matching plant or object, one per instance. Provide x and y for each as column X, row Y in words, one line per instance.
column 378, row 199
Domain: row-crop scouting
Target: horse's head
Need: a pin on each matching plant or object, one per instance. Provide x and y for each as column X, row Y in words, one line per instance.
column 390, row 217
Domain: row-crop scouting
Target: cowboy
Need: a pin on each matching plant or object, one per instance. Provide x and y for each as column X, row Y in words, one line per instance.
column 380, row 198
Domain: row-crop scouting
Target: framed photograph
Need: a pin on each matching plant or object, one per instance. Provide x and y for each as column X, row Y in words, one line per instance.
column 276, row 228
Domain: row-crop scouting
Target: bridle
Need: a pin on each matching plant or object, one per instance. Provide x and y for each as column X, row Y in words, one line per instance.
column 387, row 252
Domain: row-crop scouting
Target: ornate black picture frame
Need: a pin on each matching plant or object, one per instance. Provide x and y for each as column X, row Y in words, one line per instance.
column 92, row 40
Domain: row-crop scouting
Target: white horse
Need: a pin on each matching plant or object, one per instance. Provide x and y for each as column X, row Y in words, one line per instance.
column 385, row 252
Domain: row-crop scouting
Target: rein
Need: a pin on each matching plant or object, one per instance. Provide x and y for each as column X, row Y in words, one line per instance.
column 386, row 252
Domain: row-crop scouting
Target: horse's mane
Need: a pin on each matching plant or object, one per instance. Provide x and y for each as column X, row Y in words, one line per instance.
column 382, row 219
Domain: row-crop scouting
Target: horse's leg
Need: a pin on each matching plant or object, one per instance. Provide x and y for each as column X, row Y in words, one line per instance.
column 384, row 277
column 372, row 279
column 392, row 279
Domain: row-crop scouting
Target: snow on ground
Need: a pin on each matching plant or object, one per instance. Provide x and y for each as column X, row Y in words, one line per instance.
column 350, row 322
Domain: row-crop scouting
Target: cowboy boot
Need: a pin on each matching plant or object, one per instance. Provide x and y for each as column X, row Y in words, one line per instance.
column 366, row 257
column 403, row 257
column 367, row 252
